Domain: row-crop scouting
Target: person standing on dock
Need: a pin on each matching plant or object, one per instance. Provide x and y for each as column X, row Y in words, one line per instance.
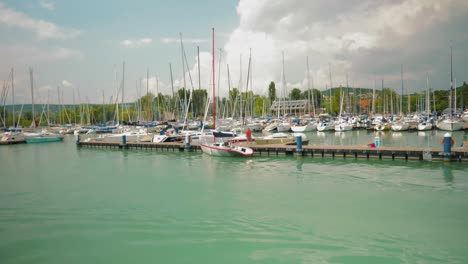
column 248, row 133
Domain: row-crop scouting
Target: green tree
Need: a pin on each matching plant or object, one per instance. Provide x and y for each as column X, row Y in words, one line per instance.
column 199, row 101
column 272, row 92
column 234, row 103
column 261, row 106
column 295, row 94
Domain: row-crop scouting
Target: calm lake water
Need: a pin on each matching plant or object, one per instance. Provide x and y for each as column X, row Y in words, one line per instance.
column 63, row 204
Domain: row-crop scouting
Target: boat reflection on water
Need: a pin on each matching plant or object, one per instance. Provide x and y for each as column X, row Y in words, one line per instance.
column 448, row 174
column 422, row 134
column 299, row 164
column 340, row 134
column 397, row 134
column 321, row 134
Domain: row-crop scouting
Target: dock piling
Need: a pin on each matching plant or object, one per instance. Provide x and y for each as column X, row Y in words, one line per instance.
column 187, row 142
column 299, row 150
column 447, row 146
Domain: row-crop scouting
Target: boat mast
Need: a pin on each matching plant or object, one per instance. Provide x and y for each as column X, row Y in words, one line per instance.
column 213, row 68
column 183, row 73
column 32, row 96
column 147, row 96
column 330, row 91
column 308, row 88
column 409, row 97
column 246, row 90
column 48, row 109
column 59, row 105
column 13, row 93
column 455, row 97
column 428, row 97
column 281, row 83
column 123, row 86
column 384, row 102
column 401, row 95
column 173, row 95
column 348, row 99
column 229, row 94
column 391, row 102
column 451, row 83
column 373, row 95
column 103, row 108
column 219, row 78
column 199, row 81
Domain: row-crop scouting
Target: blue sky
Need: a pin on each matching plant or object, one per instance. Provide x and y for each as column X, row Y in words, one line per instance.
column 96, row 52
column 79, row 46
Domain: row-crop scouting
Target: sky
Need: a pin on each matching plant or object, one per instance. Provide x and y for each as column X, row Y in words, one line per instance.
column 77, row 48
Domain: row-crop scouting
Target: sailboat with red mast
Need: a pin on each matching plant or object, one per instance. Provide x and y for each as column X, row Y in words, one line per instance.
column 216, row 146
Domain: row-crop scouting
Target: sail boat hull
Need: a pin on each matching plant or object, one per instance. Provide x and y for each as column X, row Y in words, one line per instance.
column 44, row 139
column 226, row 150
column 450, row 125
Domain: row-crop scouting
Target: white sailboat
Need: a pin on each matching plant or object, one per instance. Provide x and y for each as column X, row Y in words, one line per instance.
column 342, row 125
column 217, row 147
column 399, row 125
column 306, row 125
column 284, row 125
column 448, row 122
column 43, row 136
column 425, row 124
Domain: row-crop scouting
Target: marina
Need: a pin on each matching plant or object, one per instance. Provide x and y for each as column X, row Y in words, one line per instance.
column 328, row 132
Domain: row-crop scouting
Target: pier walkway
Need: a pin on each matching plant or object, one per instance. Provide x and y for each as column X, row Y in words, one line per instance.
column 459, row 154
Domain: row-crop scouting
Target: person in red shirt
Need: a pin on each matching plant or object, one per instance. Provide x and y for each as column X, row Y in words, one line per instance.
column 248, row 133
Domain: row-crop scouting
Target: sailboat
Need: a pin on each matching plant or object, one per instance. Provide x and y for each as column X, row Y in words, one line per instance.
column 44, row 136
column 425, row 124
column 306, row 124
column 448, row 123
column 216, row 146
column 283, row 125
column 342, row 125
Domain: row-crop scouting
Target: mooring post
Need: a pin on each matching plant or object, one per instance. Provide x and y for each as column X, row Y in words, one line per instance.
column 124, row 140
column 299, row 149
column 447, row 146
column 187, row 142
column 77, row 139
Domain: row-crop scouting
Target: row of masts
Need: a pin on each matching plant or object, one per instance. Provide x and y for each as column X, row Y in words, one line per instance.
column 229, row 108
column 388, row 101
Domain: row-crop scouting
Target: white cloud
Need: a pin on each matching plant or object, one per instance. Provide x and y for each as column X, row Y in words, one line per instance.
column 47, row 5
column 28, row 55
column 135, row 43
column 155, row 86
column 42, row 28
column 66, row 83
column 344, row 34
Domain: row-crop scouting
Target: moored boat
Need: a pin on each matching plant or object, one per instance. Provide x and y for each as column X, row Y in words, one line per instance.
column 225, row 149
column 42, row 138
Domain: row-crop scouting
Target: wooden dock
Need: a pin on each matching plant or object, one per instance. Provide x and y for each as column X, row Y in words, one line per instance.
column 355, row 152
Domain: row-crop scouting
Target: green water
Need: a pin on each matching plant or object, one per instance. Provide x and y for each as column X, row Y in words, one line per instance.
column 429, row 139
column 63, row 204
